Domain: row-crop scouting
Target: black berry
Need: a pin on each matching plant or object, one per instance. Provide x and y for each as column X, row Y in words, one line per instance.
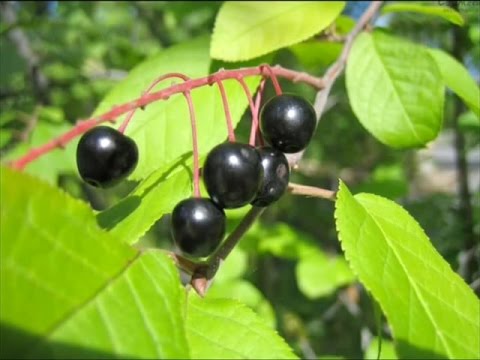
column 105, row 156
column 276, row 175
column 288, row 122
column 232, row 174
column 198, row 226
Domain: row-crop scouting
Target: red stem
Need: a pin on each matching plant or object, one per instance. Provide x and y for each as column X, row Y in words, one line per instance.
column 152, row 85
column 163, row 94
column 258, row 101
column 273, row 77
column 231, row 133
column 252, row 109
column 196, row 167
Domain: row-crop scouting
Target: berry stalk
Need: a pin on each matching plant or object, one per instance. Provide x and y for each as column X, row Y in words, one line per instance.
column 252, row 109
column 152, row 85
column 196, row 166
column 228, row 117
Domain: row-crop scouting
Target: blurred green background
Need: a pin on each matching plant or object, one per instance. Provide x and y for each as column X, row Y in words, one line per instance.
column 58, row 60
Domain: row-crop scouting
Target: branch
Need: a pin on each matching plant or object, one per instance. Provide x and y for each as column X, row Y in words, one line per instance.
column 112, row 115
column 311, row 191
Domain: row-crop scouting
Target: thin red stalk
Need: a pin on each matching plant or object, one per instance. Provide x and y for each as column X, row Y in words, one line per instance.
column 152, row 85
column 273, row 77
column 252, row 109
column 258, row 101
column 196, row 167
column 228, row 117
column 163, row 94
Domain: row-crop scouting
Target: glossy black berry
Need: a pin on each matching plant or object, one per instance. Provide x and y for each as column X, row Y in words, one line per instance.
column 288, row 122
column 198, row 226
column 232, row 174
column 105, row 156
column 276, row 174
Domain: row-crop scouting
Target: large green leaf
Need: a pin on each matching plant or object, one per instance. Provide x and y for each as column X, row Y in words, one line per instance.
column 227, row 329
column 395, row 89
column 247, row 29
column 69, row 289
column 432, row 311
column 457, row 78
column 136, row 315
column 162, row 131
column 444, row 12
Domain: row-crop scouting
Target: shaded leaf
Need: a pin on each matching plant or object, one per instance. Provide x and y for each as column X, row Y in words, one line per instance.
column 248, row 29
column 395, row 90
column 444, row 12
column 417, row 290
column 157, row 195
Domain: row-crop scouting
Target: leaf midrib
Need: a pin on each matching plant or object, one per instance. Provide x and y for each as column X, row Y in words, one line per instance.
column 395, row 91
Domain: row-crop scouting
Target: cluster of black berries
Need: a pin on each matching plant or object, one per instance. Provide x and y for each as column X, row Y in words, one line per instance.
column 237, row 174
column 234, row 174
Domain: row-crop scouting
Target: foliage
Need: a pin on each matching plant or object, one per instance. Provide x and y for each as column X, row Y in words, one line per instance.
column 85, row 272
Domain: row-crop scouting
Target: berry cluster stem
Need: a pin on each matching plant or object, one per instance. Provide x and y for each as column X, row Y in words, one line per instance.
column 258, row 101
column 273, row 77
column 112, row 115
column 228, row 117
column 196, row 166
column 248, row 94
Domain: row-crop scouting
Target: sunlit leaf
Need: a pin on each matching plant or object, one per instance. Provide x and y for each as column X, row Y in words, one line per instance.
column 395, row 89
column 227, row 329
column 247, row 29
column 419, row 293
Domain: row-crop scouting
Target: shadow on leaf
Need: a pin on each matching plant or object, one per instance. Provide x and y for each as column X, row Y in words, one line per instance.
column 19, row 344
column 109, row 218
column 405, row 350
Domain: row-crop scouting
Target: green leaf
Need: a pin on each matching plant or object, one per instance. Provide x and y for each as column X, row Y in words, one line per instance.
column 417, row 290
column 315, row 55
column 246, row 293
column 47, row 269
column 162, row 131
column 395, row 90
column 157, row 195
column 444, row 12
column 320, row 275
column 69, row 289
column 227, row 329
column 247, row 29
column 5, row 136
column 457, row 78
column 129, row 317
column 387, row 353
